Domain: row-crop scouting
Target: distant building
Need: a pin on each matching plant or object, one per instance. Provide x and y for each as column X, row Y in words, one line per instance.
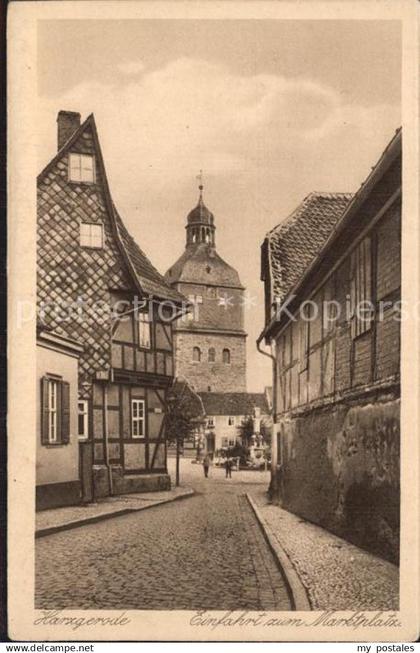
column 210, row 343
column 332, row 276
column 226, row 413
column 97, row 287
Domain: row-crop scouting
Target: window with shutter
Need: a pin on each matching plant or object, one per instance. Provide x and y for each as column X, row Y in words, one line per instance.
column 55, row 411
column 45, row 410
column 65, row 412
column 361, row 309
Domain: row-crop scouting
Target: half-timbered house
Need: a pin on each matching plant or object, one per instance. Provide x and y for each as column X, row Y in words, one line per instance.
column 95, row 285
column 332, row 275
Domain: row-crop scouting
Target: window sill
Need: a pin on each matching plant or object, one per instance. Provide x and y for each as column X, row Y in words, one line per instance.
column 81, row 183
column 92, row 247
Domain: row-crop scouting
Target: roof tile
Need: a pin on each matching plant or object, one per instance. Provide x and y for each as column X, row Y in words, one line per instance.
column 294, row 243
column 233, row 403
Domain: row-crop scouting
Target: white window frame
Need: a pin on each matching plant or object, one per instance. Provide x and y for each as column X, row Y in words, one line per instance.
column 88, row 237
column 85, row 413
column 144, row 334
column 52, row 411
column 138, row 421
column 231, row 442
column 231, row 420
column 211, row 423
column 78, row 171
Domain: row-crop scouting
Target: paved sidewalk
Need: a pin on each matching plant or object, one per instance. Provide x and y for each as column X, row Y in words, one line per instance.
column 336, row 575
column 59, row 519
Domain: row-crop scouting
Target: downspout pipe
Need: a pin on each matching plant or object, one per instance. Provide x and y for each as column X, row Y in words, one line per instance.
column 274, row 457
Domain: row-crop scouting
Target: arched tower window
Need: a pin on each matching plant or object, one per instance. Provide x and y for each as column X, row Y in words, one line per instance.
column 212, row 355
column 226, row 356
column 196, row 354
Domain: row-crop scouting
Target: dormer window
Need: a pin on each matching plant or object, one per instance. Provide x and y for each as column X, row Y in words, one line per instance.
column 91, row 235
column 82, row 168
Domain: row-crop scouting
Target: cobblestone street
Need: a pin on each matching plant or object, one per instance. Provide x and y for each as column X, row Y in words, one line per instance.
column 206, row 552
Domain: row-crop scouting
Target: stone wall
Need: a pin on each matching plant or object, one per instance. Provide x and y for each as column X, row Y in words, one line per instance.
column 339, row 468
column 218, row 376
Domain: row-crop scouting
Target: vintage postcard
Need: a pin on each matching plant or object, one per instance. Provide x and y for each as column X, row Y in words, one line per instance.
column 213, row 324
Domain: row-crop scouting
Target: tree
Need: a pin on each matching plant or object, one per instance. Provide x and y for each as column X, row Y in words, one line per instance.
column 246, row 430
column 184, row 415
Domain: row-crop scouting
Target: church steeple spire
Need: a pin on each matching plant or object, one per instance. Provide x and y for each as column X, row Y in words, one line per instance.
column 200, row 222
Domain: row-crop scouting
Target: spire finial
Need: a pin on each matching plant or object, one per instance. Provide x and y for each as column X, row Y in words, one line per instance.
column 201, row 186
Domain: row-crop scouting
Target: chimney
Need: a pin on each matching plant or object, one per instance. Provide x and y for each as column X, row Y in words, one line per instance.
column 68, row 122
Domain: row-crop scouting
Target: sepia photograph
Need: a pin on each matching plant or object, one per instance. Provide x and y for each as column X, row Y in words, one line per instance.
column 218, row 314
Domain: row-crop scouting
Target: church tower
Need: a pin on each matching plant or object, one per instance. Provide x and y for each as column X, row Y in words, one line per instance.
column 210, row 343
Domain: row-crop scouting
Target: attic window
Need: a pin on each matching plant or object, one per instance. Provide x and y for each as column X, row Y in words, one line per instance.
column 81, row 168
column 91, row 235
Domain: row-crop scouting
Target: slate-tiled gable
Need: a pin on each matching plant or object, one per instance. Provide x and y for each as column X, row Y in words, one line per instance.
column 234, row 403
column 67, row 272
column 294, row 243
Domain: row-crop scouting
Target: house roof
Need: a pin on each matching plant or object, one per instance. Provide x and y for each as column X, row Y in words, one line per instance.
column 268, row 390
column 149, row 279
column 233, row 403
column 200, row 214
column 144, row 275
column 343, row 220
column 295, row 242
column 201, row 264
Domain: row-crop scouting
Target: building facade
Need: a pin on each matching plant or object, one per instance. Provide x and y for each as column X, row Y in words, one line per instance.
column 227, row 412
column 210, row 342
column 332, row 275
column 58, row 480
column 96, row 286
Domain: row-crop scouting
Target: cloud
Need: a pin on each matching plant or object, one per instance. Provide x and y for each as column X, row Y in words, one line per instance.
column 263, row 141
column 161, row 128
column 131, row 68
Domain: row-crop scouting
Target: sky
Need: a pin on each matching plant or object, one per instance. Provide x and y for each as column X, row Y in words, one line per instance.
column 270, row 110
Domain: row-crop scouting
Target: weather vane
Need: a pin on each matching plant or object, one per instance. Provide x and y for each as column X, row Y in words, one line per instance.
column 201, row 180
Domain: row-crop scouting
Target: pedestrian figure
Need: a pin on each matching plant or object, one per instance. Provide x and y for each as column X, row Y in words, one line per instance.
column 228, row 467
column 206, row 465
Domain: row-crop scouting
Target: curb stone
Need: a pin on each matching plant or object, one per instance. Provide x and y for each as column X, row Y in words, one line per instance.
column 43, row 532
column 297, row 590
